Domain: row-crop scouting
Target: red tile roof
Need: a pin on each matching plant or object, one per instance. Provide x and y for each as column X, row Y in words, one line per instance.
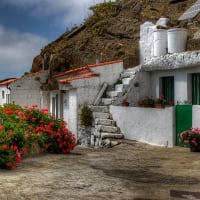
column 7, row 81
column 73, row 71
column 85, row 68
column 67, row 80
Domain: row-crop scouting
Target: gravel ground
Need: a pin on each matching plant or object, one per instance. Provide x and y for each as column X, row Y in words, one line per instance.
column 129, row 171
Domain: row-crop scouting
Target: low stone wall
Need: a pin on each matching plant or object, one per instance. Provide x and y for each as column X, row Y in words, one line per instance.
column 150, row 125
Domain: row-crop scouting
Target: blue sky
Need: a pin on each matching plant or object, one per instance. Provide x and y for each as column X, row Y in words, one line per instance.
column 28, row 25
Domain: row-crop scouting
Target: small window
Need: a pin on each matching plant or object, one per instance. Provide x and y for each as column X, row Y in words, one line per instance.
column 168, row 89
column 3, row 94
column 196, row 89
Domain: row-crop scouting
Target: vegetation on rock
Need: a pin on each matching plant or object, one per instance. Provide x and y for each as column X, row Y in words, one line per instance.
column 112, row 32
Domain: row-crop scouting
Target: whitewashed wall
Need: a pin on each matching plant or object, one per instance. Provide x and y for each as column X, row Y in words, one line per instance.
column 26, row 90
column 196, row 116
column 109, row 73
column 6, row 93
column 70, row 110
column 149, row 125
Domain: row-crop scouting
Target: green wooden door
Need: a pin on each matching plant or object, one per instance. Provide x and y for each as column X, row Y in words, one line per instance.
column 183, row 120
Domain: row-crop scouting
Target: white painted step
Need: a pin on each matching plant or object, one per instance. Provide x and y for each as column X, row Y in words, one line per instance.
column 104, row 109
column 107, row 101
column 109, row 129
column 130, row 72
column 101, row 115
column 112, row 135
column 126, row 81
column 119, row 87
column 105, row 122
column 114, row 94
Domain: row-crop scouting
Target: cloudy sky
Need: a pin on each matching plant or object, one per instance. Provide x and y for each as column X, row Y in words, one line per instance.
column 28, row 25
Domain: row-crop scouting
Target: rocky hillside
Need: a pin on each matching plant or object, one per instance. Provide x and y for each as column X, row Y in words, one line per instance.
column 112, row 32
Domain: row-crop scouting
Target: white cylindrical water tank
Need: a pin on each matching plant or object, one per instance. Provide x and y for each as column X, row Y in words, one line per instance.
column 177, row 38
column 159, row 42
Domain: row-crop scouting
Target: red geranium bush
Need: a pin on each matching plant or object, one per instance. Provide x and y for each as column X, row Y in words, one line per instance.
column 20, row 127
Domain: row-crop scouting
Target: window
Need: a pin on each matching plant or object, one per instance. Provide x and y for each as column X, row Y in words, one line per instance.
column 196, row 89
column 168, row 89
column 3, row 94
column 55, row 106
column 7, row 98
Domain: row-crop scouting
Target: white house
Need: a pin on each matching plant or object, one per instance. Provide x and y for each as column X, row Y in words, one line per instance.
column 5, row 90
column 166, row 70
column 81, row 86
column 27, row 91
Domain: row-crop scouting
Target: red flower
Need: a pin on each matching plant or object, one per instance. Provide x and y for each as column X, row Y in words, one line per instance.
column 8, row 112
column 4, row 146
column 18, row 157
column 26, row 135
column 47, row 146
column 24, row 150
column 10, row 132
column 10, row 165
column 1, row 128
column 14, row 147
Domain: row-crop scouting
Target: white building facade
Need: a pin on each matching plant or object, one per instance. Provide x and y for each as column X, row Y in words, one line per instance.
column 5, row 90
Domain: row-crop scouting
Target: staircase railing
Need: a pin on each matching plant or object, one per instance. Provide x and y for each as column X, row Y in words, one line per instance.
column 100, row 94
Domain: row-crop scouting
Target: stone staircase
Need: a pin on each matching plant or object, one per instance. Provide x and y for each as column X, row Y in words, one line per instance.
column 106, row 132
column 105, row 128
column 119, row 92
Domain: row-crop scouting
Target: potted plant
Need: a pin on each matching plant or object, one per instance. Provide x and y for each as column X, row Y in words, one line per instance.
column 146, row 102
column 159, row 103
column 191, row 138
column 125, row 103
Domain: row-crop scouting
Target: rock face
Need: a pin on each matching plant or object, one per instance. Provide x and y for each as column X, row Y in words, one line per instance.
column 112, row 32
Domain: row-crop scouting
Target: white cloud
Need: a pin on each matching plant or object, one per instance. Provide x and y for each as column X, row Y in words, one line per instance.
column 17, row 51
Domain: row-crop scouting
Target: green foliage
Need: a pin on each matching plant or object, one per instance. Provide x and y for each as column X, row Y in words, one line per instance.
column 100, row 28
column 37, row 78
column 103, row 11
column 19, row 127
column 86, row 116
column 83, row 44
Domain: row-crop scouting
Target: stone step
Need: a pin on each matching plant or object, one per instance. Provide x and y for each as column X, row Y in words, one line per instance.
column 107, row 101
column 105, row 122
column 105, row 135
column 114, row 94
column 103, row 109
column 101, row 115
column 130, row 72
column 126, row 81
column 109, row 129
column 119, row 87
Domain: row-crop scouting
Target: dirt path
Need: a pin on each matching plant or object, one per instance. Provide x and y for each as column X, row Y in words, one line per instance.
column 129, row 171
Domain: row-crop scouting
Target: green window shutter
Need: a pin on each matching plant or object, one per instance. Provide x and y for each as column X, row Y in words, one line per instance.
column 168, row 89
column 196, row 89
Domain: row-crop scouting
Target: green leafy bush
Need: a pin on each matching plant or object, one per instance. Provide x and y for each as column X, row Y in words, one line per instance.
column 86, row 116
column 19, row 127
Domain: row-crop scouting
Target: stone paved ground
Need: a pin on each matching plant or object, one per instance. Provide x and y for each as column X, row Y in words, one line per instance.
column 129, row 171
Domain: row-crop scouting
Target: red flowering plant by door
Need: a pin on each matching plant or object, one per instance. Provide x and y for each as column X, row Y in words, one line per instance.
column 191, row 138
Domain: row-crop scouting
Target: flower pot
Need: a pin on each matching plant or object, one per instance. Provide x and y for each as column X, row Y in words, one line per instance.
column 194, row 148
column 159, row 106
